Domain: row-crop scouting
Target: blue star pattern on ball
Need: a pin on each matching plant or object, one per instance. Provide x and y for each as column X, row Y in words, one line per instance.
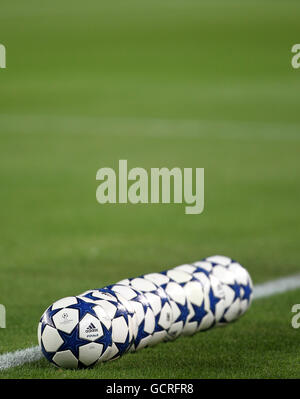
column 210, row 292
column 73, row 343
column 46, row 319
column 164, row 303
column 184, row 313
column 158, row 301
column 213, row 300
column 247, row 292
column 145, row 317
column 83, row 307
column 199, row 314
column 74, row 333
column 122, row 315
column 103, row 324
column 173, row 282
column 236, row 289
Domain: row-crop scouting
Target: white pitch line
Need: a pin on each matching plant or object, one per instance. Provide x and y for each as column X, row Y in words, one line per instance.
column 270, row 288
column 20, row 357
column 276, row 286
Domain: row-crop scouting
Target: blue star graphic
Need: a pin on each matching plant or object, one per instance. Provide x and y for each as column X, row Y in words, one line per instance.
column 213, row 301
column 72, row 341
column 141, row 334
column 164, row 299
column 83, row 308
column 47, row 318
column 201, row 270
column 237, row 290
column 247, row 292
column 90, row 296
column 184, row 312
column 123, row 347
column 200, row 312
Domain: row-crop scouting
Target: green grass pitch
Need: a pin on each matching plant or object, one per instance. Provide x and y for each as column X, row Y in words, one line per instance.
column 174, row 83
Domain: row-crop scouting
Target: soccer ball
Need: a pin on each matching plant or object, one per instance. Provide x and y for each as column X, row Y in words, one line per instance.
column 208, row 308
column 170, row 281
column 73, row 333
column 218, row 266
column 159, row 303
column 246, row 285
column 122, row 316
column 242, row 277
column 144, row 314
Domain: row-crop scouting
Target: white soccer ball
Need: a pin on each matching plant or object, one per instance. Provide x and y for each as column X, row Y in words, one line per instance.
column 159, row 303
column 246, row 286
column 232, row 290
column 122, row 316
column 73, row 333
column 144, row 314
column 207, row 303
column 170, row 281
column 242, row 277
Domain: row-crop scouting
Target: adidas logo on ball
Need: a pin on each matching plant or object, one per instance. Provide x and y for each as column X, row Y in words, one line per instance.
column 91, row 329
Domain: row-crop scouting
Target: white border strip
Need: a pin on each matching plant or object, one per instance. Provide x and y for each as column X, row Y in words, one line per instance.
column 33, row 354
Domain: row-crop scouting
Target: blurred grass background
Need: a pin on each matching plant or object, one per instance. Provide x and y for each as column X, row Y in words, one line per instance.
column 187, row 84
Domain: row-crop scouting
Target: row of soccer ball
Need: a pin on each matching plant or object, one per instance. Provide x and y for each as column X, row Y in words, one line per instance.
column 103, row 324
